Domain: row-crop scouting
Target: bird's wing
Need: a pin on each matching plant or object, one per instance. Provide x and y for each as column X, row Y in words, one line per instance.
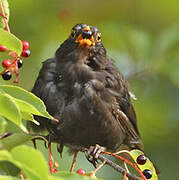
column 122, row 107
column 46, row 88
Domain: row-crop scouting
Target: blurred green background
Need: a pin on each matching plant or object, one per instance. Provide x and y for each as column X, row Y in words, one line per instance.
column 141, row 36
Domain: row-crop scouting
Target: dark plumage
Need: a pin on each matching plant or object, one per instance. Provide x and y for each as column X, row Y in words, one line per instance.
column 84, row 89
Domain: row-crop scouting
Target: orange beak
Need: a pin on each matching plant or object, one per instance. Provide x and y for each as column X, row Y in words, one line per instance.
column 83, row 41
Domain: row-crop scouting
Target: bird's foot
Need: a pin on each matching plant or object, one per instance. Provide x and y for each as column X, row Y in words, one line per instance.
column 92, row 154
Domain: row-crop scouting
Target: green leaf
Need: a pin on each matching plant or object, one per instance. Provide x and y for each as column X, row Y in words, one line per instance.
column 5, row 156
column 26, row 110
column 10, row 41
column 55, row 178
column 9, row 109
column 8, row 178
column 26, row 107
column 28, row 97
column 9, row 168
column 28, row 116
column 6, row 11
column 16, row 139
column 31, row 162
column 148, row 165
column 2, row 125
column 73, row 176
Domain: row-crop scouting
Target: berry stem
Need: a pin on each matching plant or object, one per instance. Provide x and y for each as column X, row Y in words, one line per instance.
column 52, row 165
column 124, row 176
column 74, row 161
column 4, row 17
column 50, row 160
column 98, row 168
column 118, row 168
column 128, row 162
column 22, row 175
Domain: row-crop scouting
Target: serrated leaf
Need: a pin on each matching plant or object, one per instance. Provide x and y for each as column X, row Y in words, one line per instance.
column 10, row 41
column 9, row 109
column 2, row 124
column 148, row 165
column 31, row 161
column 28, row 97
column 6, row 11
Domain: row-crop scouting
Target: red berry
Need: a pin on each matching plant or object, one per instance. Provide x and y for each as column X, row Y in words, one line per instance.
column 25, row 53
column 3, row 48
column 7, row 75
column 6, row 63
column 141, row 160
column 25, row 45
column 81, row 172
column 147, row 173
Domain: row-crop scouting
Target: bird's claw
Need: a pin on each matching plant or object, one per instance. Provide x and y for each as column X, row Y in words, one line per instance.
column 92, row 154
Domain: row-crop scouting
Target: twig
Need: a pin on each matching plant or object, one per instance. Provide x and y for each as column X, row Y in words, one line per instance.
column 118, row 168
column 4, row 17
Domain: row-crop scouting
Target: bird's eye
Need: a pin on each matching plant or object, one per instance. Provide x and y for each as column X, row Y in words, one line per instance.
column 73, row 33
column 98, row 37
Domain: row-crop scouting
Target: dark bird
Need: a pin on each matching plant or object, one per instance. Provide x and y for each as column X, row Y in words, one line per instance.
column 85, row 91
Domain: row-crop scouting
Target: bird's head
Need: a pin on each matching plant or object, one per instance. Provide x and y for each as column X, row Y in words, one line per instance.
column 85, row 36
column 84, row 44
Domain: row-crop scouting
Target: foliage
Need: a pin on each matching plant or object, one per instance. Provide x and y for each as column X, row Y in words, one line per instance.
column 31, row 163
column 10, row 41
column 17, row 104
column 141, row 36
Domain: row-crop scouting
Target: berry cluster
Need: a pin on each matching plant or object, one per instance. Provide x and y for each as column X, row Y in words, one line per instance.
column 141, row 160
column 12, row 66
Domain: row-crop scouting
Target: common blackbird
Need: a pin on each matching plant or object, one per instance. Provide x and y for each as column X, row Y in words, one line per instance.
column 85, row 91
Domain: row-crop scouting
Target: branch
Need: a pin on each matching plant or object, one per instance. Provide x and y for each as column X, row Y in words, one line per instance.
column 99, row 157
column 118, row 168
